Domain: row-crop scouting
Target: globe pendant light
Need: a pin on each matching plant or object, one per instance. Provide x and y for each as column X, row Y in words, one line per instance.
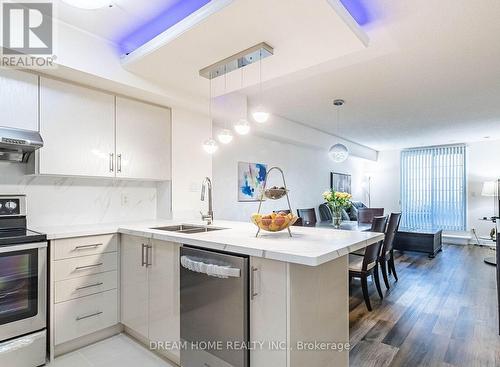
column 242, row 127
column 225, row 136
column 259, row 114
column 338, row 152
column 210, row 145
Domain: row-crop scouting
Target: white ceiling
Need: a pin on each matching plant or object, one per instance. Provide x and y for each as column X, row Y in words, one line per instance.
column 430, row 76
column 303, row 33
column 113, row 24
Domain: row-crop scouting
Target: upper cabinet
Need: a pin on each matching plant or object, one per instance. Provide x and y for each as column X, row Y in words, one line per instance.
column 87, row 132
column 18, row 99
column 77, row 125
column 143, row 134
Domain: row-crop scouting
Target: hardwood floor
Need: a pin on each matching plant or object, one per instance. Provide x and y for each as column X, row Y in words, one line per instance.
column 441, row 312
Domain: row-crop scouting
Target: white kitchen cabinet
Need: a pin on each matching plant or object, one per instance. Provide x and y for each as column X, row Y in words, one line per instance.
column 134, row 285
column 143, row 136
column 150, row 289
column 164, row 296
column 268, row 316
column 18, row 99
column 78, row 127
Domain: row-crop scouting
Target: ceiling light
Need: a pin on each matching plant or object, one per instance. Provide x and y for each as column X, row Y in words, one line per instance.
column 89, row 4
column 242, row 127
column 210, row 146
column 338, row 152
column 260, row 115
column 225, row 136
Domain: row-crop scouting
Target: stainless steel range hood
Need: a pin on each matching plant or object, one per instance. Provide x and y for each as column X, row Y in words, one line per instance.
column 17, row 145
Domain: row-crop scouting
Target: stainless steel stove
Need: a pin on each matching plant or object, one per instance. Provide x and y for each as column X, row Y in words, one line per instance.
column 23, row 287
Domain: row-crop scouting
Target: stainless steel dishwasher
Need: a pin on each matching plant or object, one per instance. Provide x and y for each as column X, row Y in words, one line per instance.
column 214, row 309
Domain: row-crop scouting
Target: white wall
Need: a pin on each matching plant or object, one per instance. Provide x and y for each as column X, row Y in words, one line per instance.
column 190, row 164
column 482, row 165
column 307, row 174
column 384, row 181
column 63, row 201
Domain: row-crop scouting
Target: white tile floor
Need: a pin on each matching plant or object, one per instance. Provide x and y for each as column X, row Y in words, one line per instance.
column 117, row 351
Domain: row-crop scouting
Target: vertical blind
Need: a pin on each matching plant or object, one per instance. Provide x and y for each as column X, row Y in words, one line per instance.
column 433, row 192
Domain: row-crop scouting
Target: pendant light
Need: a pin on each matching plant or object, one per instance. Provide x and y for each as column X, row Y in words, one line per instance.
column 338, row 152
column 225, row 136
column 210, row 145
column 259, row 113
column 242, row 126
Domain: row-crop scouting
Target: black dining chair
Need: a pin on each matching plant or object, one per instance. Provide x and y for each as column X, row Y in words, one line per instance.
column 364, row 266
column 386, row 259
column 308, row 217
column 325, row 214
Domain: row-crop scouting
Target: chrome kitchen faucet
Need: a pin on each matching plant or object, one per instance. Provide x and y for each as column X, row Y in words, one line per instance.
column 209, row 217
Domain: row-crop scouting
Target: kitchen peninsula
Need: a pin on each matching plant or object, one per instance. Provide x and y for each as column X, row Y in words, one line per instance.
column 298, row 301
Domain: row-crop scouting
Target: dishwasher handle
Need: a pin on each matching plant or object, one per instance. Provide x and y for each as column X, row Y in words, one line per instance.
column 212, row 270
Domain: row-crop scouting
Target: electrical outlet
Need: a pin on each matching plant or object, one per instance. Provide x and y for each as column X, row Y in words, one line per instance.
column 124, row 199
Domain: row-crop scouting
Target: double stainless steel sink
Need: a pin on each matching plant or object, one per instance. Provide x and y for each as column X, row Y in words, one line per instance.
column 187, row 228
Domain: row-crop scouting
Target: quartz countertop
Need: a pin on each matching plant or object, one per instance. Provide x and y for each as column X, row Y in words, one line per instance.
column 308, row 246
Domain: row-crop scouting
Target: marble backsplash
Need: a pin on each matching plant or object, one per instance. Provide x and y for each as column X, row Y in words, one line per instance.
column 73, row 200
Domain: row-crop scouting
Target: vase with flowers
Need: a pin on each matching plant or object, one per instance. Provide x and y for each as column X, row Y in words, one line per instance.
column 337, row 201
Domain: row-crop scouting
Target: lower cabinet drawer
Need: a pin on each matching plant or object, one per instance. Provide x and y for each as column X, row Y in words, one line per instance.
column 84, row 265
column 66, row 290
column 85, row 315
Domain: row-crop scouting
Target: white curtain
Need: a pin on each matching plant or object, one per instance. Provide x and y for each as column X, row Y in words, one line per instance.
column 433, row 188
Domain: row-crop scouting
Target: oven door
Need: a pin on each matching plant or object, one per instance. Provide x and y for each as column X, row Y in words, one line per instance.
column 23, row 295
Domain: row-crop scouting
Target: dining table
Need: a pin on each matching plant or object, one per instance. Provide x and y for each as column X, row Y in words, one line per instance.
column 347, row 225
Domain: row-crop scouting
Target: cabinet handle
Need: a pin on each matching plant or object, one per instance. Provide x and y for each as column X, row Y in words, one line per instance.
column 142, row 255
column 111, row 162
column 253, row 294
column 148, row 257
column 78, row 318
column 89, row 286
column 83, row 247
column 88, row 266
column 119, row 163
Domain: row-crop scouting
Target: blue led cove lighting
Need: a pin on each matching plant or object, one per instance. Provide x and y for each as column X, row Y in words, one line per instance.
column 357, row 10
column 168, row 18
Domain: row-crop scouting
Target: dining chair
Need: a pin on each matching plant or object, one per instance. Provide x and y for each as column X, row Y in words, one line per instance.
column 386, row 259
column 325, row 214
column 308, row 217
column 366, row 215
column 364, row 266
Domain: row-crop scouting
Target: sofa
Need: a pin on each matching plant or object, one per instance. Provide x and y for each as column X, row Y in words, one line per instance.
column 325, row 214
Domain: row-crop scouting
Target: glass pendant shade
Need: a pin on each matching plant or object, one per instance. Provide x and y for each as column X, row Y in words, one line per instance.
column 225, row 136
column 338, row 153
column 242, row 127
column 88, row 4
column 210, row 146
column 260, row 115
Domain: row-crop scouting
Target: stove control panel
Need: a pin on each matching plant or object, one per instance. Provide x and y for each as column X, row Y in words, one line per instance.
column 12, row 206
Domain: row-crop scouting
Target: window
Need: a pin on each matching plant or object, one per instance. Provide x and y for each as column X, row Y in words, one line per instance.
column 433, row 192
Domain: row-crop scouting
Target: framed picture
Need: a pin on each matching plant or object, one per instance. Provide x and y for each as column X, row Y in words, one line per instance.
column 340, row 182
column 251, row 177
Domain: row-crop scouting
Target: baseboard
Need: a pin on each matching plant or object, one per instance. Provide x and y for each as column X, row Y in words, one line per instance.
column 86, row 340
column 169, row 357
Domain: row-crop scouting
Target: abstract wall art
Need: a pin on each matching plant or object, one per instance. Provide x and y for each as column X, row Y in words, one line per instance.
column 251, row 177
